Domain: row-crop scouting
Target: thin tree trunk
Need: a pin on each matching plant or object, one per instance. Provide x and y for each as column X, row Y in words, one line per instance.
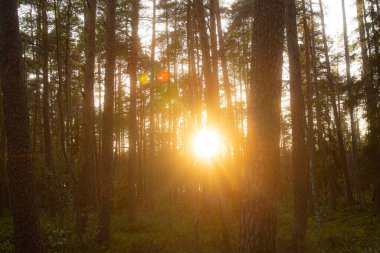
column 106, row 170
column 370, row 93
column 309, row 102
column 68, row 74
column 37, row 97
column 141, row 149
column 227, row 86
column 152, row 140
column 214, row 43
column 132, row 124
column 299, row 151
column 314, row 89
column 3, row 168
column 349, row 81
column 193, row 103
column 60, row 86
column 191, row 61
column 86, row 185
column 216, row 32
column 337, row 120
column 212, row 89
column 99, row 127
column 46, row 88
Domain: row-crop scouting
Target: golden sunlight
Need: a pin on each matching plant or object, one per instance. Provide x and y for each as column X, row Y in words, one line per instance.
column 206, row 144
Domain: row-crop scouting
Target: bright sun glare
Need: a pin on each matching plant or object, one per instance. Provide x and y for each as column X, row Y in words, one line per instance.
column 206, row 144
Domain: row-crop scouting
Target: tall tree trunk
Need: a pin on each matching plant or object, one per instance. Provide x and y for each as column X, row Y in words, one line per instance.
column 214, row 44
column 27, row 232
column 226, row 82
column 99, row 129
column 349, row 81
column 132, row 124
column 212, row 89
column 86, row 185
column 193, row 104
column 337, row 120
column 191, row 61
column 106, row 170
column 152, row 140
column 370, row 93
column 3, row 168
column 375, row 41
column 68, row 77
column 258, row 228
column 37, row 96
column 46, row 88
column 231, row 131
column 313, row 89
column 299, row 151
column 61, row 116
column 309, row 92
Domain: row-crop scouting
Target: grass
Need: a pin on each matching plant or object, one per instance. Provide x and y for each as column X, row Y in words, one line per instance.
column 172, row 230
column 348, row 230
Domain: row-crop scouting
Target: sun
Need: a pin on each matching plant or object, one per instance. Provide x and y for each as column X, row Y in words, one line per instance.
column 206, row 144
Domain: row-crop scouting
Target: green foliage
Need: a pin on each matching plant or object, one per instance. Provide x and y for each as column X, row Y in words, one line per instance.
column 56, row 238
column 6, row 234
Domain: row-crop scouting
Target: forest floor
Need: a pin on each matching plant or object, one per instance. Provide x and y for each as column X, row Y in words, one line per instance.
column 172, row 230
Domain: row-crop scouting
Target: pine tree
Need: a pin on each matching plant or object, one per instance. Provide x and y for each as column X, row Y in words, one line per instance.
column 132, row 131
column 86, row 185
column 258, row 227
column 106, row 170
column 27, row 232
column 299, row 154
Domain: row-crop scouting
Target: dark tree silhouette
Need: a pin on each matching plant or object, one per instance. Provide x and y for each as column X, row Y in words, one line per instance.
column 132, row 134
column 258, row 227
column 106, row 170
column 299, row 154
column 20, row 167
column 86, row 185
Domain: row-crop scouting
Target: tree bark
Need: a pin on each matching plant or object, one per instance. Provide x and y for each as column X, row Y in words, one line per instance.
column 3, row 168
column 61, row 116
column 152, row 140
column 37, row 97
column 27, row 232
column 349, row 81
column 212, row 89
column 106, row 170
column 313, row 89
column 46, row 88
column 233, row 130
column 87, row 184
column 299, row 150
column 132, row 126
column 214, row 43
column 258, row 228
column 192, row 94
column 68, row 74
column 370, row 93
column 337, row 121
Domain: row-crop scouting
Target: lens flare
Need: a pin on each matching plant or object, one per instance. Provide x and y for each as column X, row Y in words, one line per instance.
column 163, row 76
column 143, row 78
